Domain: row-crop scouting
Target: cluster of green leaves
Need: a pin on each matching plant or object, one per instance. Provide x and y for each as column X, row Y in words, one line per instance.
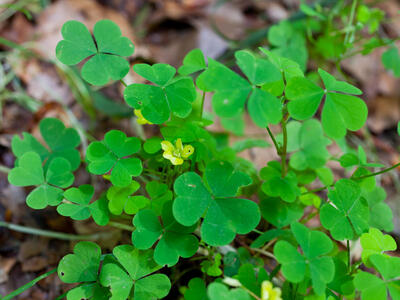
column 332, row 32
column 203, row 204
column 126, row 274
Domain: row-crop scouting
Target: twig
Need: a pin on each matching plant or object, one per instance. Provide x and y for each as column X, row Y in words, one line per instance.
column 50, row 234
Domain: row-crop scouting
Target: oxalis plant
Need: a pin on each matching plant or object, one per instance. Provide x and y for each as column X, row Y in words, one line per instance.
column 204, row 222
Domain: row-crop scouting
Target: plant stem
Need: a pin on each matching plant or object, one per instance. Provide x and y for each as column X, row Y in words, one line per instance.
column 377, row 173
column 354, row 178
column 348, row 256
column 28, row 285
column 284, row 148
column 202, row 104
column 349, row 24
column 121, row 226
column 265, row 253
column 278, row 150
column 4, row 169
column 123, row 83
column 48, row 233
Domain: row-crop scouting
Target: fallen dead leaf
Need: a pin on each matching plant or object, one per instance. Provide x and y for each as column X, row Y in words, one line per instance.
column 6, row 265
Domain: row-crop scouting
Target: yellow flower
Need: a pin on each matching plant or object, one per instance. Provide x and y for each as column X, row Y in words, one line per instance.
column 178, row 153
column 268, row 292
column 140, row 119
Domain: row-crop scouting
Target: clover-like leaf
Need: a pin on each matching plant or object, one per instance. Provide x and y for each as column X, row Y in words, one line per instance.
column 278, row 212
column 289, row 68
column 29, row 171
column 60, row 140
column 289, row 42
column 112, row 155
column 219, row 291
column 375, row 242
column 193, row 62
column 159, row 74
column 159, row 194
column 315, row 245
column 342, row 282
column 175, row 240
column 170, row 95
column 80, row 208
column 375, row 288
column 89, row 291
column 105, row 53
column 196, row 290
column 312, row 152
column 231, row 90
column 81, row 266
column 275, row 186
column 212, row 265
column 224, row 215
column 258, row 70
column 341, row 110
column 391, row 60
column 252, row 278
column 80, row 198
column 349, row 216
column 121, row 199
column 380, row 214
column 133, row 270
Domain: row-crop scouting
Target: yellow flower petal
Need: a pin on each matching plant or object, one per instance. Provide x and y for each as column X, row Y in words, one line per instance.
column 167, row 146
column 268, row 292
column 168, row 155
column 179, row 145
column 176, row 160
column 187, row 151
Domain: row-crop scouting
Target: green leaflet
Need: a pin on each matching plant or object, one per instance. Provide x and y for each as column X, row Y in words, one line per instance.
column 105, row 56
column 80, row 207
column 133, row 269
column 219, row 291
column 315, row 245
column 231, row 90
column 128, row 268
column 288, row 42
column 311, row 152
column 225, row 214
column 29, row 171
column 193, row 62
column 375, row 242
column 113, row 154
column 275, row 186
column 121, row 199
column 278, row 212
column 196, row 290
column 176, row 240
column 341, row 110
column 156, row 102
column 349, row 219
column 380, row 214
column 60, row 141
column 372, row 287
column 391, row 60
column 82, row 265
